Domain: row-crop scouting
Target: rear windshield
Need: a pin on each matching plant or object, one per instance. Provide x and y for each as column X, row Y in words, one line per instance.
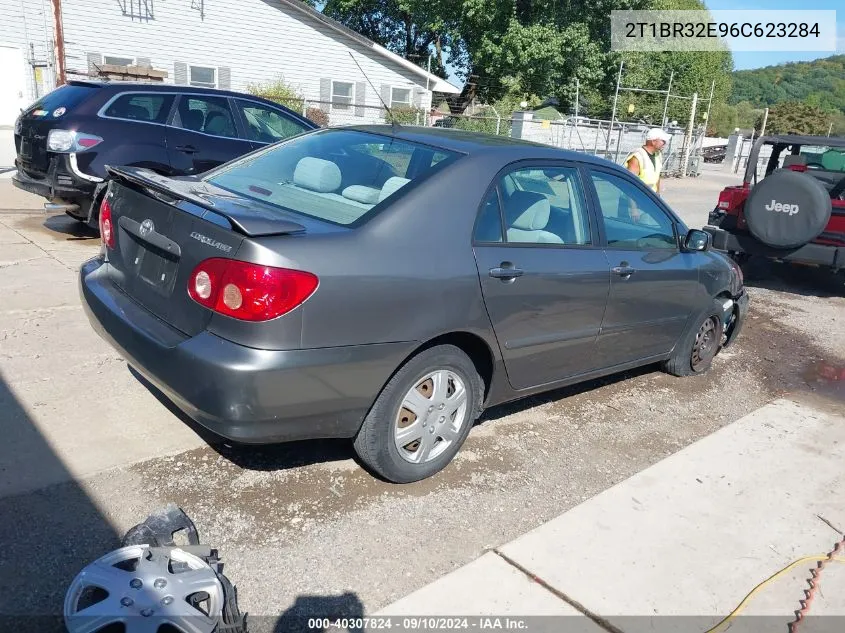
column 334, row 175
column 68, row 97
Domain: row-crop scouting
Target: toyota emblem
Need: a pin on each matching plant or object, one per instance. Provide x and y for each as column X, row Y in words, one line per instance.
column 147, row 227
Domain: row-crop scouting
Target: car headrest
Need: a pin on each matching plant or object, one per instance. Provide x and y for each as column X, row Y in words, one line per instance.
column 192, row 119
column 317, row 174
column 391, row 186
column 217, row 123
column 527, row 211
column 361, row 193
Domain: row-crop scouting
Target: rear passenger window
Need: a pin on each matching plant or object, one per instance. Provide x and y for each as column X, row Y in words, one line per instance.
column 489, row 226
column 209, row 115
column 545, row 205
column 152, row 108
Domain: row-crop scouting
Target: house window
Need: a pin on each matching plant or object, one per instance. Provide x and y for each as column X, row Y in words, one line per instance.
column 400, row 97
column 342, row 92
column 115, row 60
column 202, row 76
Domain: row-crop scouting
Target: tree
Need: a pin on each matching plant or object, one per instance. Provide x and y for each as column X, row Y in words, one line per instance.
column 533, row 49
column 795, row 117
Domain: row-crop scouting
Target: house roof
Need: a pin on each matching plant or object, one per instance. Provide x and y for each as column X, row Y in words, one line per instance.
column 436, row 84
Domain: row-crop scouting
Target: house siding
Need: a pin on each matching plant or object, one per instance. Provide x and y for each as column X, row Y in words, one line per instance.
column 25, row 22
column 249, row 42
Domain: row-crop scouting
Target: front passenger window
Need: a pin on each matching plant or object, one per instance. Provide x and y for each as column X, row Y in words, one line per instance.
column 265, row 125
column 631, row 219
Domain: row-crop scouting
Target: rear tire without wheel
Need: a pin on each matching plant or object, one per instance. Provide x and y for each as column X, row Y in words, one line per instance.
column 422, row 417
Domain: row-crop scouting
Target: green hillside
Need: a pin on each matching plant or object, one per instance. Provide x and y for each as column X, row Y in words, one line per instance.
column 819, row 83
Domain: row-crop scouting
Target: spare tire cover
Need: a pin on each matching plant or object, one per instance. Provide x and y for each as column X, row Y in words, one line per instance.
column 787, row 209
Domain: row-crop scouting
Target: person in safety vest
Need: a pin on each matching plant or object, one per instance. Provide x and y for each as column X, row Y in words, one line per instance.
column 647, row 161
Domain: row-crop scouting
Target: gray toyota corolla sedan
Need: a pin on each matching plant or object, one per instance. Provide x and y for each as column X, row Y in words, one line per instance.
column 387, row 284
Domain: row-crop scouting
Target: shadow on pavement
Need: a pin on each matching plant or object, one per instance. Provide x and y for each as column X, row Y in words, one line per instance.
column 806, row 281
column 46, row 536
column 319, row 613
column 74, row 229
column 262, row 457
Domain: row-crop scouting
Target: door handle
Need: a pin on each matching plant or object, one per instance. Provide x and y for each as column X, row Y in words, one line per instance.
column 188, row 149
column 506, row 272
column 624, row 270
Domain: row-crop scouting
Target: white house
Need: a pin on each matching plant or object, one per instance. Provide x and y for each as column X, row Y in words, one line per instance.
column 220, row 43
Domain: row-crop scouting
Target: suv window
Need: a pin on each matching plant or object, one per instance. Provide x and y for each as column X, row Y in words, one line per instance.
column 266, row 125
column 68, row 96
column 152, row 107
column 210, row 115
column 545, row 205
column 631, row 219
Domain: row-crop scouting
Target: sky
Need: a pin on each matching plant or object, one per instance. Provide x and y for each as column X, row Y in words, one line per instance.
column 744, row 60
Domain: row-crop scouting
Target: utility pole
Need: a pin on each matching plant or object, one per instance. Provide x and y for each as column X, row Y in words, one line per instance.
column 688, row 140
column 765, row 119
column 709, row 105
column 613, row 115
column 829, row 129
column 664, row 121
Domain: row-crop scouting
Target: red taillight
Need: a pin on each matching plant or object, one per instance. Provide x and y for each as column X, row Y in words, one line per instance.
column 249, row 292
column 732, row 198
column 88, row 141
column 106, row 226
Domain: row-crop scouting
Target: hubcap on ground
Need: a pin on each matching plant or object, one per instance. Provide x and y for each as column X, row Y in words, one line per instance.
column 705, row 344
column 431, row 416
column 144, row 588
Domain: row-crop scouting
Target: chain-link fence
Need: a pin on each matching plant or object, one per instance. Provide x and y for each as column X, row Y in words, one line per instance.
column 613, row 141
column 594, row 136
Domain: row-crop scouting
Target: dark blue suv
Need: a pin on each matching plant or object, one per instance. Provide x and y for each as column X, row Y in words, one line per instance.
column 65, row 140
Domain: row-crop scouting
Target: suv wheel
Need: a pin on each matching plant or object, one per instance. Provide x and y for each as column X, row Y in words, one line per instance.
column 422, row 416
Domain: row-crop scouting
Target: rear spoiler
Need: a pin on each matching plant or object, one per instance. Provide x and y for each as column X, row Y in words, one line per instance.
column 251, row 219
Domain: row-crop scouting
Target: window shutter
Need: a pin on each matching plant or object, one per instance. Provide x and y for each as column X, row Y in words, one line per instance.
column 94, row 60
column 325, row 94
column 144, row 62
column 224, row 78
column 385, row 94
column 360, row 98
column 180, row 73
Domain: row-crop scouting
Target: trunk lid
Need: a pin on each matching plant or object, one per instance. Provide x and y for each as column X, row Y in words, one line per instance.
column 164, row 228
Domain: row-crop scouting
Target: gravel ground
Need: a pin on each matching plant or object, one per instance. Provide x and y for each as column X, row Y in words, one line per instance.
column 303, row 529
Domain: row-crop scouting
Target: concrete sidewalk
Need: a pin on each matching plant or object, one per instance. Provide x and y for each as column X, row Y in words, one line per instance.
column 690, row 536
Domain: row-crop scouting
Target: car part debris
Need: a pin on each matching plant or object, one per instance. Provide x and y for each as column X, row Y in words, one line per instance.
column 160, row 527
column 151, row 584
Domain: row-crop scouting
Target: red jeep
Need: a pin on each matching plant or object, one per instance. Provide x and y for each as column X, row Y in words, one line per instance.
column 795, row 213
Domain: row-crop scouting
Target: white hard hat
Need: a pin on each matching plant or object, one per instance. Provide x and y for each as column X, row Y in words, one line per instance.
column 657, row 134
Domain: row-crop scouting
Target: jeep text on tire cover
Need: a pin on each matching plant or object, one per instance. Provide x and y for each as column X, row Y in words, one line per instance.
column 778, row 207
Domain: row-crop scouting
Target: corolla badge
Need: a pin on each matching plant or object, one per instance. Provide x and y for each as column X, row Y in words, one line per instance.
column 147, row 227
column 207, row 240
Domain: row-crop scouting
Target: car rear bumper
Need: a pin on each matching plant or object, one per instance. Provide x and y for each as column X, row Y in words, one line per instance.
column 819, row 254
column 247, row 395
column 63, row 180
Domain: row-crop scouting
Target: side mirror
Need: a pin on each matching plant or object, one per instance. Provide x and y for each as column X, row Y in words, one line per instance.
column 697, row 240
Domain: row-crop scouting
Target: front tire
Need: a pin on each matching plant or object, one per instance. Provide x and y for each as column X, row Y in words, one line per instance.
column 422, row 416
column 699, row 344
